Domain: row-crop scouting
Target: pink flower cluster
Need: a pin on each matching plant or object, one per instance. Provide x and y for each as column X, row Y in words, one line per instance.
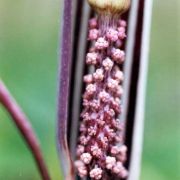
column 100, row 151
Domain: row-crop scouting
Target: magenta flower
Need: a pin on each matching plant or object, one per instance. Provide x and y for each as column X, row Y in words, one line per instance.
column 101, row 151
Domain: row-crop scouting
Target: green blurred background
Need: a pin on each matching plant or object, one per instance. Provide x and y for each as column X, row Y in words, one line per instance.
column 28, row 65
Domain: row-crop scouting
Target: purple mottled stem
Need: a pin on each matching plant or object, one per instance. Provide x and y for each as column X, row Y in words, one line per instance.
column 63, row 95
column 25, row 128
column 145, row 11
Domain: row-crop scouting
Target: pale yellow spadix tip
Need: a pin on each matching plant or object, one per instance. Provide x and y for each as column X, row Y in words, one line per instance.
column 110, row 6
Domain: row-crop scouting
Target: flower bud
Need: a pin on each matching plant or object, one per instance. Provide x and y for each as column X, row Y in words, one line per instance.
column 110, row 6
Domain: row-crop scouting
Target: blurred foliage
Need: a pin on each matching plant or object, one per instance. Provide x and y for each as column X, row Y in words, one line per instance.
column 29, row 34
column 161, row 155
column 28, row 65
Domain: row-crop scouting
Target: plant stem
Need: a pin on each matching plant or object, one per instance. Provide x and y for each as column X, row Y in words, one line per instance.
column 24, row 127
column 63, row 94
